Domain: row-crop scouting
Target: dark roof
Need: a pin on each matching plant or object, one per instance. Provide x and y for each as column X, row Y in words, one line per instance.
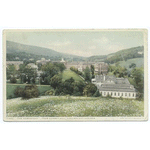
column 111, row 83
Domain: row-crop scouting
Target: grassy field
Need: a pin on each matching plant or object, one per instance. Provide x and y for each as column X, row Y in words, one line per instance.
column 138, row 61
column 68, row 74
column 74, row 107
column 11, row 87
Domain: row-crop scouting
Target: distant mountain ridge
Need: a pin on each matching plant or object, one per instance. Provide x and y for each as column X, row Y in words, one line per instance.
column 122, row 55
column 13, row 47
column 28, row 51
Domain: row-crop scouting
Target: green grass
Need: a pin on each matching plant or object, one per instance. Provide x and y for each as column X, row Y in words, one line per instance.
column 68, row 74
column 11, row 87
column 138, row 61
column 74, row 107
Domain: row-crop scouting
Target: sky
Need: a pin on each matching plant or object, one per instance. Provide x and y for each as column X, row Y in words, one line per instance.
column 82, row 43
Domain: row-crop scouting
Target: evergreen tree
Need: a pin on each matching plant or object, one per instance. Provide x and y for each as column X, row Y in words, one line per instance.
column 92, row 71
column 87, row 74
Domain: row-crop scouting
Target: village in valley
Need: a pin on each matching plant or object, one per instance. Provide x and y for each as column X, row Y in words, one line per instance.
column 106, row 85
column 69, row 85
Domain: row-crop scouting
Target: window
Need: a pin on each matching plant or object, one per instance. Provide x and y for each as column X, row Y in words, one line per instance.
column 129, row 94
column 118, row 94
column 122, row 94
column 115, row 94
column 111, row 94
column 125, row 94
column 104, row 93
column 133, row 94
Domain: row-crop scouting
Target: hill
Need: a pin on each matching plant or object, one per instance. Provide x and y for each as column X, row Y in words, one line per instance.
column 27, row 51
column 13, row 47
column 138, row 61
column 122, row 55
column 68, row 74
column 97, row 58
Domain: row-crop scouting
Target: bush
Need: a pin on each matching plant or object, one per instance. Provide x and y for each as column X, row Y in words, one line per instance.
column 89, row 89
column 13, row 80
column 30, row 91
column 97, row 94
column 18, row 92
column 50, row 92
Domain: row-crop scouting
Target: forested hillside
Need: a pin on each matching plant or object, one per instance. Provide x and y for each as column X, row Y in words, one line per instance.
column 20, row 56
column 124, row 55
column 27, row 52
column 13, row 47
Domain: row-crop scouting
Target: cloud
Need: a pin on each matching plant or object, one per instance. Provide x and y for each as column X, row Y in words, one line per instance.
column 82, row 53
column 92, row 47
column 59, row 43
column 115, row 48
column 102, row 40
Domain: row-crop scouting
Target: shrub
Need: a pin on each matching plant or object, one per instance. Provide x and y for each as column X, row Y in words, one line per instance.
column 18, row 91
column 55, row 81
column 30, row 91
column 13, row 80
column 97, row 94
column 89, row 90
column 50, row 92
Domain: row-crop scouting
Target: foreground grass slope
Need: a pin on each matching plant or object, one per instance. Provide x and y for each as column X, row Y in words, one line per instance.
column 74, row 106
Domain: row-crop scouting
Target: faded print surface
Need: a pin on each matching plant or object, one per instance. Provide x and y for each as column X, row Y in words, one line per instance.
column 75, row 73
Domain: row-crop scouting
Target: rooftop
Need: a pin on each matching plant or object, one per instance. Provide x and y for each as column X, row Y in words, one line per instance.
column 111, row 83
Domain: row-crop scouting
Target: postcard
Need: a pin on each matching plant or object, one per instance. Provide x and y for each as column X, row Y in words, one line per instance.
column 75, row 75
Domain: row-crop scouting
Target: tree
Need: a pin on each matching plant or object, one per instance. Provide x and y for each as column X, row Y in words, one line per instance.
column 13, row 80
column 92, row 71
column 55, row 81
column 89, row 89
column 27, row 73
column 133, row 65
column 11, row 71
column 87, row 74
column 50, row 69
column 138, row 77
column 68, row 86
column 78, row 88
column 30, row 73
column 61, row 66
column 96, row 94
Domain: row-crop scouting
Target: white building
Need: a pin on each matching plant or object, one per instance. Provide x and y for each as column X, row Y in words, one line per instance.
column 33, row 66
column 115, row 87
column 42, row 61
column 140, row 53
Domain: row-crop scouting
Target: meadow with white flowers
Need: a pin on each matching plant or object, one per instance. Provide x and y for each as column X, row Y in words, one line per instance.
column 69, row 106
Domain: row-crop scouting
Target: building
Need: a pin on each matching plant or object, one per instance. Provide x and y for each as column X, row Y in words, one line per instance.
column 114, row 87
column 39, row 73
column 33, row 66
column 42, row 61
column 140, row 53
column 15, row 63
column 100, row 67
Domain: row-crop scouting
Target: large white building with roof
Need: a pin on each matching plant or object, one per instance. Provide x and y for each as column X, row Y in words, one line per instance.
column 114, row 87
